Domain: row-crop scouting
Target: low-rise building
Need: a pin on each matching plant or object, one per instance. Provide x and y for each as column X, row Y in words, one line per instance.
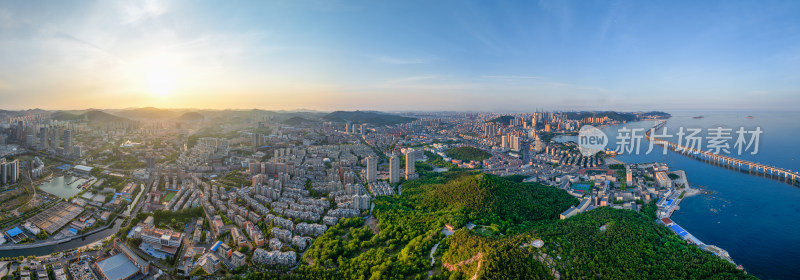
column 162, row 240
column 261, row 256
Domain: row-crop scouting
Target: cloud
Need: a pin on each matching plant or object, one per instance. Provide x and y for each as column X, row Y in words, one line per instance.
column 7, row 20
column 420, row 84
column 400, row 60
column 145, row 9
column 73, row 39
column 513, row 77
column 5, row 85
column 539, row 82
column 411, row 79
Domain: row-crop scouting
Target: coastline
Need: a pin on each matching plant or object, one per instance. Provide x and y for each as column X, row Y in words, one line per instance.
column 669, row 204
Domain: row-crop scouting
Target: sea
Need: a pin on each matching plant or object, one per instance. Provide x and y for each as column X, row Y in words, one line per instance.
column 755, row 218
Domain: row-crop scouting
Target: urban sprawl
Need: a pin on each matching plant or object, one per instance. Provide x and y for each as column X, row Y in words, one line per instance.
column 205, row 195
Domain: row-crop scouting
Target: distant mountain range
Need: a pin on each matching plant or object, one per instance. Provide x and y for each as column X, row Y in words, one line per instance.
column 294, row 117
column 298, row 121
column 67, row 116
column 191, row 116
column 92, row 116
column 371, row 117
column 148, row 113
column 615, row 116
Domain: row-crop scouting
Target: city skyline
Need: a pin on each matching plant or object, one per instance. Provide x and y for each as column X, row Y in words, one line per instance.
column 330, row 56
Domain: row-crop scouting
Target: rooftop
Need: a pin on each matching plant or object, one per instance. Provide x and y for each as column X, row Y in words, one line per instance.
column 117, row 267
column 83, row 168
column 14, row 231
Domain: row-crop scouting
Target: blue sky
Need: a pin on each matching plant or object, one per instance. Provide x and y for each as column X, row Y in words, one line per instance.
column 401, row 55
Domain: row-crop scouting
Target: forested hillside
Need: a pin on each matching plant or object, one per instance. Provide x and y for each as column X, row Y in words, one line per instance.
column 489, row 199
column 630, row 246
column 397, row 241
column 468, row 153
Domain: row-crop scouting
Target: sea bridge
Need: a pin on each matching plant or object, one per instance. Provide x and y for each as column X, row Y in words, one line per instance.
column 754, row 168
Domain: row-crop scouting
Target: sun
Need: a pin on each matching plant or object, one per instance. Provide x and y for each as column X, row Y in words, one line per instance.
column 160, row 82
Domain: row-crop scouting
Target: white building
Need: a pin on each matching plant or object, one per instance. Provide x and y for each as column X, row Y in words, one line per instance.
column 394, row 169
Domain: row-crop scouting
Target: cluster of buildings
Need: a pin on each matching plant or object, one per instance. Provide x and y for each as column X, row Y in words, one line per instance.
column 261, row 256
column 124, row 264
column 9, row 171
column 158, row 242
column 272, row 186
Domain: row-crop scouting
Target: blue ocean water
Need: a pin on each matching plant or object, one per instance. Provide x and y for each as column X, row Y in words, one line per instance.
column 756, row 219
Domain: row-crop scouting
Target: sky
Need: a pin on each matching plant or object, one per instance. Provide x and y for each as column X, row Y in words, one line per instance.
column 401, row 55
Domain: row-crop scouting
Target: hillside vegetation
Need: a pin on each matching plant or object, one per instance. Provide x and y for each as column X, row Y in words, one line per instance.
column 468, row 153
column 508, row 215
column 191, row 116
column 492, row 200
column 375, row 118
column 504, row 120
column 632, row 245
column 298, row 121
column 94, row 116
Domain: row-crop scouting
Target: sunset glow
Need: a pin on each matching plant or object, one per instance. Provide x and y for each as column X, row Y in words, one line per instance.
column 323, row 55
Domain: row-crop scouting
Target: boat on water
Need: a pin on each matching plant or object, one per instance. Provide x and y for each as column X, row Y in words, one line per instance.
column 750, row 117
column 697, row 117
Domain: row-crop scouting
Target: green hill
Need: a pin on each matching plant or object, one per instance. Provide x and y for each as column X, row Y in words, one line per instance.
column 96, row 116
column 148, row 113
column 66, row 116
column 100, row 116
column 191, row 116
column 370, row 117
column 505, row 120
column 298, row 121
column 632, row 245
column 493, row 199
column 468, row 153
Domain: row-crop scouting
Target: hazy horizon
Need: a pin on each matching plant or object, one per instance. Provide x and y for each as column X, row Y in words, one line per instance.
column 695, row 111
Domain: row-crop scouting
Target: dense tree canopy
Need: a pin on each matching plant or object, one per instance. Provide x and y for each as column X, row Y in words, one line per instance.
column 632, row 245
column 490, row 199
column 468, row 153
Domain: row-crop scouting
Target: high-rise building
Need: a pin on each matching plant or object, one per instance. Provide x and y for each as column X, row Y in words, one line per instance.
column 9, row 171
column 151, row 162
column 258, row 140
column 628, row 177
column 54, row 138
column 255, row 167
column 394, row 169
column 514, row 142
column 68, row 142
column 20, row 131
column 372, row 169
column 43, row 138
column 410, row 159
